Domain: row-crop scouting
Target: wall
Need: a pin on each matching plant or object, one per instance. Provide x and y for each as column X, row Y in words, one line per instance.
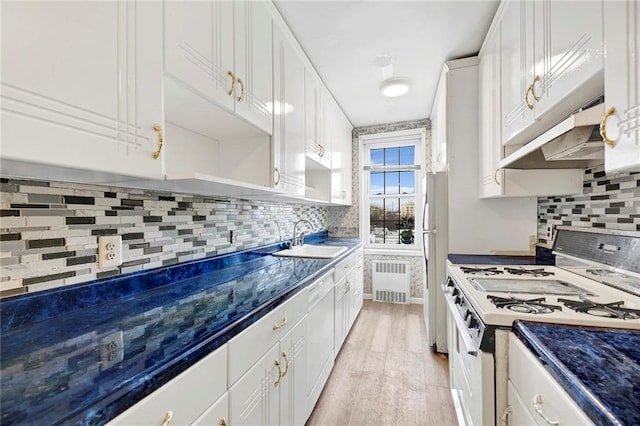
column 344, row 221
column 49, row 231
column 607, row 201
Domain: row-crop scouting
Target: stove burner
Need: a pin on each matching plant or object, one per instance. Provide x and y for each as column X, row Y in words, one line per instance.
column 602, row 273
column 531, row 306
column 480, row 271
column 604, row 310
column 538, row 272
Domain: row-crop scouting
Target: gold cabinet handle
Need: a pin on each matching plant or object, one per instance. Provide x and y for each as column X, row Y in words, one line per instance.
column 347, row 287
column 286, row 360
column 233, row 83
column 321, row 153
column 603, row 127
column 280, row 324
column 537, row 79
column 158, row 130
column 241, row 89
column 538, row 400
column 526, row 97
column 223, row 421
column 276, row 172
column 495, row 177
column 167, row 418
column 277, row 364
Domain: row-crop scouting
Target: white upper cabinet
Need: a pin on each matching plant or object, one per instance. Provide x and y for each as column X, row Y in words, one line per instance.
column 552, row 63
column 315, row 105
column 289, row 117
column 223, row 51
column 81, row 89
column 339, row 131
column 622, row 85
column 439, row 126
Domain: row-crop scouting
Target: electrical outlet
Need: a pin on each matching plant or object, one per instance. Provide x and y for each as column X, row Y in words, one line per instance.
column 111, row 350
column 551, row 233
column 109, row 251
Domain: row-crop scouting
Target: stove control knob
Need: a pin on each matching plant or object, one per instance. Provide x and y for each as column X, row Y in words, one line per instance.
column 473, row 323
column 458, row 300
column 467, row 315
column 455, row 292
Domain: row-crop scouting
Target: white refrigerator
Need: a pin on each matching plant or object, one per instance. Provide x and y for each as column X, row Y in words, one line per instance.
column 435, row 245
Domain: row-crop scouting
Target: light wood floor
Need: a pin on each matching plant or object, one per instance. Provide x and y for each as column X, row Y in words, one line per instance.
column 385, row 374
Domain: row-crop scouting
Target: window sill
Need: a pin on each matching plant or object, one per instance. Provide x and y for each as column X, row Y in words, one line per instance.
column 393, row 252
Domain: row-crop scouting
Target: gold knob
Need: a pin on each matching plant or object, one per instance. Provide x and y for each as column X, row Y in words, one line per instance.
column 241, row 90
column 233, row 83
column 537, row 79
column 158, row 130
column 603, row 127
column 167, row 418
column 495, row 177
column 286, row 360
column 277, row 382
column 526, row 97
column 280, row 324
column 223, row 422
column 277, row 173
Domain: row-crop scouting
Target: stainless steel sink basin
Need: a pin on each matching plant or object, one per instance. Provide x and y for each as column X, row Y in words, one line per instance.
column 309, row 250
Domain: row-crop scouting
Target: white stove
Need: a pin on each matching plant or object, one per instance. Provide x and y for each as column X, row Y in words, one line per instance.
column 596, row 282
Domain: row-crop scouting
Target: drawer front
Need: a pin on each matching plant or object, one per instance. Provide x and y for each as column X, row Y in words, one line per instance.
column 247, row 347
column 204, row 383
column 344, row 267
column 540, row 392
column 217, row 414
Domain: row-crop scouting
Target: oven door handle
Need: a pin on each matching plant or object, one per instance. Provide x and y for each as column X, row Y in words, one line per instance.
column 460, row 324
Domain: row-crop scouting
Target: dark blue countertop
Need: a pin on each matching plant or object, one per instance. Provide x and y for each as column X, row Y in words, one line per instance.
column 170, row 318
column 598, row 367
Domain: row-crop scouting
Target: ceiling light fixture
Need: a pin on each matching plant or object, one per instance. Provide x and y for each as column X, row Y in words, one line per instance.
column 393, row 87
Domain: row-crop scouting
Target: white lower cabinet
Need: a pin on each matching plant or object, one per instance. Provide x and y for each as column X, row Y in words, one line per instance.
column 204, row 383
column 534, row 394
column 293, row 384
column 348, row 297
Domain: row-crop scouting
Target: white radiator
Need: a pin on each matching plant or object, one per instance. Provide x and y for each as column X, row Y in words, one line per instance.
column 390, row 281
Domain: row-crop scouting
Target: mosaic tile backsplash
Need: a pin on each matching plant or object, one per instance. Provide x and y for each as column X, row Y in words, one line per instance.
column 49, row 231
column 608, row 201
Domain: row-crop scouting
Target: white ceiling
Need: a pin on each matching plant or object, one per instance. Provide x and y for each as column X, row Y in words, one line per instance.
column 343, row 39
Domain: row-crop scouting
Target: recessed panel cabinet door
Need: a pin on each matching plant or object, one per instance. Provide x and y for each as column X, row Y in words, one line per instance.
column 293, row 386
column 199, row 47
column 82, row 85
column 622, row 85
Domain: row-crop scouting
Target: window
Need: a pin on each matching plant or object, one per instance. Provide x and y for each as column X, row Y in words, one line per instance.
column 391, row 189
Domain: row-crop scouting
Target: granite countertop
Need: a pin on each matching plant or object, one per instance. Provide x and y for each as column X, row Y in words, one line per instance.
column 170, row 318
column 543, row 257
column 598, row 367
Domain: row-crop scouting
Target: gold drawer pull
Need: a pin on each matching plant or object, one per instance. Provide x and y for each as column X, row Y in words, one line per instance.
column 603, row 127
column 526, row 97
column 241, row 89
column 158, row 130
column 277, row 364
column 167, row 418
column 538, row 400
column 276, row 173
column 223, row 422
column 537, row 79
column 495, row 177
column 233, row 83
column 286, row 360
column 280, row 324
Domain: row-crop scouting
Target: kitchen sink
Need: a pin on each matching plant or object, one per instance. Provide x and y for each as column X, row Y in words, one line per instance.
column 309, row 250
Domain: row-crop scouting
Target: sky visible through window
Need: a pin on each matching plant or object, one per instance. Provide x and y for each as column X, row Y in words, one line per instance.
column 392, row 195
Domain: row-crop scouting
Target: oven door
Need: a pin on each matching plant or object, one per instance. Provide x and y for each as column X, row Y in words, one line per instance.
column 471, row 375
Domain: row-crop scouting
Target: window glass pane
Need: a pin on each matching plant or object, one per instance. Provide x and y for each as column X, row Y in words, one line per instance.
column 407, row 221
column 377, row 157
column 407, row 182
column 376, row 221
column 377, row 183
column 407, row 155
column 391, row 182
column 391, row 216
column 391, row 156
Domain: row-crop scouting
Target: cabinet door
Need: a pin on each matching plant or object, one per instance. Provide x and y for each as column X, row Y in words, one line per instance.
column 356, row 292
column 439, row 127
column 490, row 131
column 293, row 386
column 316, row 146
column 217, row 414
column 199, row 47
column 517, row 71
column 622, row 84
column 341, row 314
column 254, row 63
column 341, row 153
column 289, row 119
column 568, row 52
column 82, row 85
column 254, row 398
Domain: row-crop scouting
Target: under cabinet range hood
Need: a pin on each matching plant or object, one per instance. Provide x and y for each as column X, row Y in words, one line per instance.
column 574, row 143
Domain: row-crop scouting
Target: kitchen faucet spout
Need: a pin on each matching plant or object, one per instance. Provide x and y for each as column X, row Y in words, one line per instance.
column 295, row 238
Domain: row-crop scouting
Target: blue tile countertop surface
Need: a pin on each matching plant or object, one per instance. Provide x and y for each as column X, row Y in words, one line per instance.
column 543, row 257
column 170, row 318
column 598, row 367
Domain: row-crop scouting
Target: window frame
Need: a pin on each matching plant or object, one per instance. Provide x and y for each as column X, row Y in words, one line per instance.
column 415, row 137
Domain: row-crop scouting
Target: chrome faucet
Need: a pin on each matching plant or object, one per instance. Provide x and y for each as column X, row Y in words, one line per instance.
column 295, row 227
